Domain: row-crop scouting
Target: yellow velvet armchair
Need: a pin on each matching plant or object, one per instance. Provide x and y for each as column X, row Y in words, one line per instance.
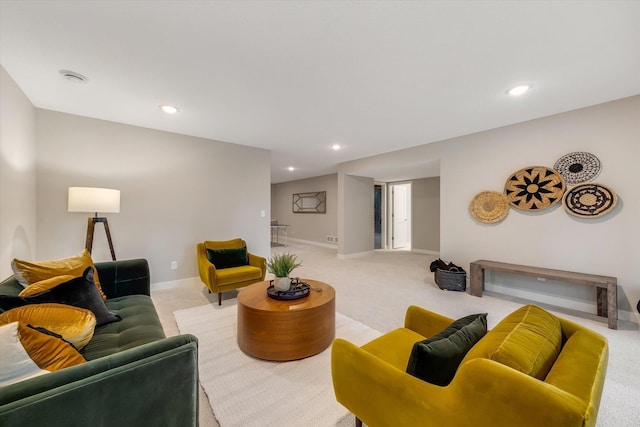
column 236, row 267
column 371, row 381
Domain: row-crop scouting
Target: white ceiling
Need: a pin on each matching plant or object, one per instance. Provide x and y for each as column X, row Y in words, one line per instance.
column 296, row 76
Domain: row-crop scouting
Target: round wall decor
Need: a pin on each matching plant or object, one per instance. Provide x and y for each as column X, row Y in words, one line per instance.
column 489, row 207
column 578, row 167
column 589, row 200
column 534, row 188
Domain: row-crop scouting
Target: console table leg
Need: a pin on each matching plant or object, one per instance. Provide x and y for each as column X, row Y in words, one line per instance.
column 612, row 305
column 476, row 280
column 601, row 301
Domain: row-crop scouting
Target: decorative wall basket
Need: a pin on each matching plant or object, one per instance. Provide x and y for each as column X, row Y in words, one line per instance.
column 489, row 207
column 578, row 167
column 589, row 200
column 534, row 188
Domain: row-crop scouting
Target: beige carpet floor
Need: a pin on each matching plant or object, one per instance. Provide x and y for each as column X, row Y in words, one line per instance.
column 376, row 289
column 248, row 392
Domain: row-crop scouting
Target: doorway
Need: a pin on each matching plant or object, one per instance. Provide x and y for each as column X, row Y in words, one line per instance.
column 400, row 218
column 377, row 216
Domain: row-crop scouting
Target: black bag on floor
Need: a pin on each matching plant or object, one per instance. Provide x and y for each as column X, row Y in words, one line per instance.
column 449, row 276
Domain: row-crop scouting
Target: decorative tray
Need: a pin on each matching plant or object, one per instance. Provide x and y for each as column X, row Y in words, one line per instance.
column 298, row 290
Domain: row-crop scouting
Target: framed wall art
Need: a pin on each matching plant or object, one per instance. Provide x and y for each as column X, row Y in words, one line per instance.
column 314, row 202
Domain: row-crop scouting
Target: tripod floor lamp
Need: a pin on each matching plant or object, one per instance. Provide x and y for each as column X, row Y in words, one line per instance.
column 89, row 199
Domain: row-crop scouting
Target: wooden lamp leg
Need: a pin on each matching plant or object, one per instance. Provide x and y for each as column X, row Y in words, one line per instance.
column 91, row 224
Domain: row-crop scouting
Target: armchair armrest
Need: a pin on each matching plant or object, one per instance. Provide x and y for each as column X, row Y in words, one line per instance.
column 382, row 395
column 426, row 323
column 127, row 277
column 258, row 261
column 499, row 392
column 206, row 269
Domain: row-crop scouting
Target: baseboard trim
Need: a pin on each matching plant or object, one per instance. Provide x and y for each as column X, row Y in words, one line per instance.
column 354, row 255
column 311, row 242
column 426, row 252
column 172, row 284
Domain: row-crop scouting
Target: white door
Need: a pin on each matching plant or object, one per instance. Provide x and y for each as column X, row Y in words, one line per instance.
column 401, row 210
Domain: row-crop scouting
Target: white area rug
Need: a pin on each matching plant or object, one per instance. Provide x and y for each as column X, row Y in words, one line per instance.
column 244, row 391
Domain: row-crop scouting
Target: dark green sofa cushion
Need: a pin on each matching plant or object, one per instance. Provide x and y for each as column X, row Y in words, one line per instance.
column 139, row 325
column 228, row 258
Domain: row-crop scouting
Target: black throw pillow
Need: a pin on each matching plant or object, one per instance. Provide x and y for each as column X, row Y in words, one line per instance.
column 79, row 292
column 436, row 359
column 227, row 258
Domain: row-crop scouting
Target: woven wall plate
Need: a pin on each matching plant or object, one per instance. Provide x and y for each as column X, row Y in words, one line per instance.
column 590, row 200
column 578, row 167
column 534, row 188
column 489, row 207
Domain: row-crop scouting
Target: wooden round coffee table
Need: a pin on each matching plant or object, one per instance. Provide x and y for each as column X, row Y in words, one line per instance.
column 279, row 330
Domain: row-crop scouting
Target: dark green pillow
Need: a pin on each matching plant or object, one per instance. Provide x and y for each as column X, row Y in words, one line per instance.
column 227, row 258
column 80, row 292
column 436, row 359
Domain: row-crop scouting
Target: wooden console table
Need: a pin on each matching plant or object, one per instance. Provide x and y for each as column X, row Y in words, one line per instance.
column 606, row 286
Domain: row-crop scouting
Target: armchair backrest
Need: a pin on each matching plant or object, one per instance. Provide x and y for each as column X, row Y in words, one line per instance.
column 224, row 244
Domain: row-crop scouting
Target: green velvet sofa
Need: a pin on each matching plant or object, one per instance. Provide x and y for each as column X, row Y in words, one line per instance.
column 134, row 375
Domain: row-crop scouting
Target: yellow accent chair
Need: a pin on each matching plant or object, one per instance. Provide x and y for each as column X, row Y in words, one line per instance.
column 227, row 265
column 491, row 386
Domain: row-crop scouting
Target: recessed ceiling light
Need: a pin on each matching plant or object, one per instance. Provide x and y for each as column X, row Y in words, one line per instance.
column 72, row 76
column 518, row 90
column 336, row 147
column 169, row 109
column 291, row 168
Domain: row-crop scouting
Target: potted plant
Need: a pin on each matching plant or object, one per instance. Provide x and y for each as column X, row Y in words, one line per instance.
column 281, row 265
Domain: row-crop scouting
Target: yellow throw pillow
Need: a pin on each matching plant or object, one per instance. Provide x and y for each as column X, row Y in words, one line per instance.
column 28, row 273
column 48, row 351
column 74, row 324
column 44, row 285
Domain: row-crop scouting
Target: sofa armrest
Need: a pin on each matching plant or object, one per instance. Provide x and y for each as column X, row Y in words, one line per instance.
column 483, row 393
column 154, row 384
column 127, row 277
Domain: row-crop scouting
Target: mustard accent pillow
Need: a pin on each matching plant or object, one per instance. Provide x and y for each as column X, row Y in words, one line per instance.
column 74, row 324
column 48, row 350
column 533, row 339
column 28, row 273
column 44, row 285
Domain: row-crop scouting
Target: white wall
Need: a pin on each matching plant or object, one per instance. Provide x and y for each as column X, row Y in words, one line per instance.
column 355, row 215
column 307, row 226
column 176, row 191
column 551, row 238
column 17, row 175
column 425, row 214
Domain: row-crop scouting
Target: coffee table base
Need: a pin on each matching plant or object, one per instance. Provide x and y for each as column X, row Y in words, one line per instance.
column 286, row 330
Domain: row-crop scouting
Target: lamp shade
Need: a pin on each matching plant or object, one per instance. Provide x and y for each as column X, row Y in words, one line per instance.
column 89, row 199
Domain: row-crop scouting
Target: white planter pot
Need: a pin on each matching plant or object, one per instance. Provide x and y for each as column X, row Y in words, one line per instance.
column 282, row 283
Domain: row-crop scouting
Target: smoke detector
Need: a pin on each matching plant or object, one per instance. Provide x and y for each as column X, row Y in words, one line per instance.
column 72, row 76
